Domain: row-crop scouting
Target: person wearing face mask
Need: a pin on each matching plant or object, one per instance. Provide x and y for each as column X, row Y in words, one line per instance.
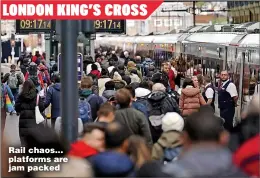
column 227, row 100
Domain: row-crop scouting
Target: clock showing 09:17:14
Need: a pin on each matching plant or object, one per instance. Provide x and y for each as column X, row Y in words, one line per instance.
column 23, row 26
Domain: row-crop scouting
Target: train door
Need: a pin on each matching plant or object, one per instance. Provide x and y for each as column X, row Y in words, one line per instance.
column 158, row 55
column 238, row 79
column 232, row 64
column 250, row 77
column 212, row 67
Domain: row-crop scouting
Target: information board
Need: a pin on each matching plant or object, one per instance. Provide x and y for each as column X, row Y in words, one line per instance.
column 79, row 66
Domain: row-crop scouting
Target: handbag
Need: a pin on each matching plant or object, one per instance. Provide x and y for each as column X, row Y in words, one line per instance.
column 38, row 116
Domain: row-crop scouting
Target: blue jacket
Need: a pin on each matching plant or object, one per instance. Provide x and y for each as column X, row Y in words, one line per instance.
column 112, row 164
column 140, row 107
column 53, row 98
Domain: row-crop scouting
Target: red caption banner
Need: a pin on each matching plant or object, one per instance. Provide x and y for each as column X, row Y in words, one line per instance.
column 78, row 9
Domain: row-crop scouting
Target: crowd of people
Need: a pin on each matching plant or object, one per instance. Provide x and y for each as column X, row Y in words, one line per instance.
column 134, row 119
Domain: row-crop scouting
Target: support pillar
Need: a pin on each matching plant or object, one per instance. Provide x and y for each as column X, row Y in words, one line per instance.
column 69, row 90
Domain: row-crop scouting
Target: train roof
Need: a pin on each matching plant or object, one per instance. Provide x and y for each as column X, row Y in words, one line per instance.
column 240, row 39
column 169, row 38
column 250, row 40
column 219, row 38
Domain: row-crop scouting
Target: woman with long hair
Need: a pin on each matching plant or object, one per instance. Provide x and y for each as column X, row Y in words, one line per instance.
column 138, row 150
column 25, row 105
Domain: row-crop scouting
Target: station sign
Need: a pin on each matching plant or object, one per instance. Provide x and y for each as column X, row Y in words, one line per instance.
column 79, row 66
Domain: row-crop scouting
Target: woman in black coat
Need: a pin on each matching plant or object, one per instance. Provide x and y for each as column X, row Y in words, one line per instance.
column 25, row 105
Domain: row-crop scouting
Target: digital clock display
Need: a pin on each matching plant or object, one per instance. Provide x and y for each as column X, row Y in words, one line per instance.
column 28, row 26
column 110, row 26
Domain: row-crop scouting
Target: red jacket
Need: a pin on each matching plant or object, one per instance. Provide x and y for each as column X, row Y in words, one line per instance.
column 171, row 76
column 82, row 150
column 247, row 156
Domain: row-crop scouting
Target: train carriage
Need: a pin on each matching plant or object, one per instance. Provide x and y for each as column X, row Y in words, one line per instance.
column 210, row 52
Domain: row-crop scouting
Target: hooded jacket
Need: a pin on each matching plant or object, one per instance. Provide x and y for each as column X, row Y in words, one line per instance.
column 190, row 100
column 170, row 139
column 53, row 98
column 202, row 162
column 81, row 149
column 108, row 93
column 112, row 164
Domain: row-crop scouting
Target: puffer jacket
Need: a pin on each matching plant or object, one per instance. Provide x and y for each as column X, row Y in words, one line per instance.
column 25, row 105
column 190, row 100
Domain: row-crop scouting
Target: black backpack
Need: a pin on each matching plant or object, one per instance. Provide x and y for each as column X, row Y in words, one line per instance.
column 175, row 95
column 161, row 103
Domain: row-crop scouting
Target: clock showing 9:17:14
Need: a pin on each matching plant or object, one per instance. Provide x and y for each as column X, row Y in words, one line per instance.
column 110, row 26
column 23, row 26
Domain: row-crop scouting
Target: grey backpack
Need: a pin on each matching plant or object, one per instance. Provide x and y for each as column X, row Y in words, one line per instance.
column 13, row 80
